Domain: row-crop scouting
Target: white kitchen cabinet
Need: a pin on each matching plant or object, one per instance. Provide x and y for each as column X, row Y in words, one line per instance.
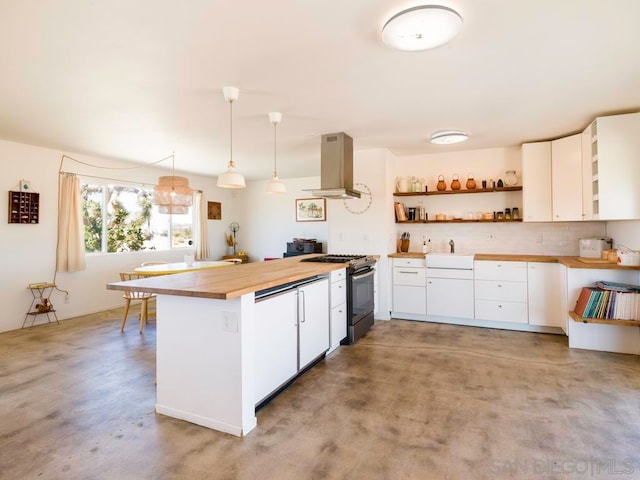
column 313, row 321
column 589, row 174
column 566, row 175
column 615, row 169
column 338, row 314
column 501, row 291
column 450, row 297
column 409, row 286
column 276, row 345
column 544, row 281
column 292, row 330
column 536, row 179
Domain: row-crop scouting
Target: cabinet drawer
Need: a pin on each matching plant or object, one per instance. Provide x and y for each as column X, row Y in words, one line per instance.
column 508, row 271
column 409, row 262
column 513, row 312
column 499, row 290
column 409, row 276
column 338, row 323
column 338, row 275
column 338, row 293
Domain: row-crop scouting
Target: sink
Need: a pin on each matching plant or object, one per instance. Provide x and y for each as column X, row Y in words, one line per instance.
column 450, row 260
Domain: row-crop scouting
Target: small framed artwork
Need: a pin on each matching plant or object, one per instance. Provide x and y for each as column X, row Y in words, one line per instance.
column 214, row 210
column 311, row 209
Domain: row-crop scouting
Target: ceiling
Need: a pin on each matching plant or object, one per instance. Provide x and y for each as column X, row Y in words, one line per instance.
column 136, row 80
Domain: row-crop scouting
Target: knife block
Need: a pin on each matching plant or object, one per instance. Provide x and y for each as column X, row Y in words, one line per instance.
column 403, row 245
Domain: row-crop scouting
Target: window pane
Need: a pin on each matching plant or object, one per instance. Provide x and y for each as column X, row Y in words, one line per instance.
column 128, row 218
column 181, row 229
column 92, row 217
column 133, row 223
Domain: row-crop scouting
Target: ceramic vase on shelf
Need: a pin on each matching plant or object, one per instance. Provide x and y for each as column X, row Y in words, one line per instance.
column 471, row 183
column 441, row 186
column 455, row 183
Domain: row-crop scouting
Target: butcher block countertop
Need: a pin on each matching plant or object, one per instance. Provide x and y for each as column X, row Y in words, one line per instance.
column 230, row 282
column 571, row 262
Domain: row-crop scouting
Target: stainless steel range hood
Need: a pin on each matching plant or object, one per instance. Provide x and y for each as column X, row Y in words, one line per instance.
column 336, row 167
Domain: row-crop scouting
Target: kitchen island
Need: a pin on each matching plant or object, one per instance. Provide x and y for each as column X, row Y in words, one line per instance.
column 210, row 330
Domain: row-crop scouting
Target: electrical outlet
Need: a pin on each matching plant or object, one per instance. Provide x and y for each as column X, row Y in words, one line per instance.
column 67, row 298
column 424, row 237
column 229, row 322
column 539, row 238
column 489, row 236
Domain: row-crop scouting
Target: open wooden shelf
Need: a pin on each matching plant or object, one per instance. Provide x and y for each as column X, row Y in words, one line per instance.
column 460, row 221
column 603, row 321
column 457, row 192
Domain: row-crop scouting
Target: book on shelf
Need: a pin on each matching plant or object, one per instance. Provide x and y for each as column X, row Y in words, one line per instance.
column 401, row 213
column 619, row 302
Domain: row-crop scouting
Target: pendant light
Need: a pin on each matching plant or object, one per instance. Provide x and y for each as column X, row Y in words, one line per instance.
column 275, row 185
column 231, row 178
column 172, row 194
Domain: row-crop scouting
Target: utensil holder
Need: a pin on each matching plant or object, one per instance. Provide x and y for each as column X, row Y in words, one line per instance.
column 404, row 245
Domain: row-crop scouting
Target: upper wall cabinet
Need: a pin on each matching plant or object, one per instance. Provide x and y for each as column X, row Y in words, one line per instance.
column 552, row 180
column 612, row 167
column 536, row 177
column 566, row 178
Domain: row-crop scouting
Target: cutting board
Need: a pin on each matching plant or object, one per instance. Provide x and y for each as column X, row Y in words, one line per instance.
column 594, row 260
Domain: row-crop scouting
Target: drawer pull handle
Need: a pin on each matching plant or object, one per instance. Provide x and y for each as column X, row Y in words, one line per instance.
column 413, row 273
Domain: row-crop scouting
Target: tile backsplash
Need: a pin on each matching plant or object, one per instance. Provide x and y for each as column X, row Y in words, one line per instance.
column 559, row 238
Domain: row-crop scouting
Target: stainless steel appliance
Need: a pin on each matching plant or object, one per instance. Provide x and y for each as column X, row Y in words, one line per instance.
column 336, row 167
column 360, row 297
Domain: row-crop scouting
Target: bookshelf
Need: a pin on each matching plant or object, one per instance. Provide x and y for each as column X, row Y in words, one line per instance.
column 603, row 321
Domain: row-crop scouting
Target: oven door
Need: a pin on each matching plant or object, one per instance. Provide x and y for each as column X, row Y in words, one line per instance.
column 362, row 293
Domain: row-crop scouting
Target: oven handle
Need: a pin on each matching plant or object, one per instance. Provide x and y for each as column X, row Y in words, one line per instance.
column 363, row 275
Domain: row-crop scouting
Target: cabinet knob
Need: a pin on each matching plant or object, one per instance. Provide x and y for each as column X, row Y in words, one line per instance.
column 499, row 306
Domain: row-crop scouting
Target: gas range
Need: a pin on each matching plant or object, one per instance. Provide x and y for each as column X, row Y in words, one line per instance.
column 355, row 261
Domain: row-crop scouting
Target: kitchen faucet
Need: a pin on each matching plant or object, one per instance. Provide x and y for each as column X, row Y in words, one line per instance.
column 453, row 246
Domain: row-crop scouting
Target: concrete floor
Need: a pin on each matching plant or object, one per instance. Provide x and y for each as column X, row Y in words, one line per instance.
column 410, row 401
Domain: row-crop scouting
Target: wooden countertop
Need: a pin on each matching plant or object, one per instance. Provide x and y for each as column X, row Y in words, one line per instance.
column 571, row 262
column 406, row 255
column 511, row 257
column 230, row 282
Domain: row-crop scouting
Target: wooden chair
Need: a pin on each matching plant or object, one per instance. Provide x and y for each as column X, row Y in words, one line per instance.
column 143, row 297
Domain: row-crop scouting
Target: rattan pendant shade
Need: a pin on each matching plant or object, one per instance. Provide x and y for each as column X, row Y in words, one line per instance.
column 172, row 194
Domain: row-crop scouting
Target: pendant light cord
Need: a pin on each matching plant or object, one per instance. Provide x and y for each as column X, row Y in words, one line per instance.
column 231, row 133
column 275, row 146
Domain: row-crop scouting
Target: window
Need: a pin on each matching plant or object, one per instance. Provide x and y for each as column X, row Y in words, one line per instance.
column 119, row 218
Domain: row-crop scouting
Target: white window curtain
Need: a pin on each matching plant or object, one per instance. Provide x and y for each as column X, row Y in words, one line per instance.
column 201, row 237
column 70, row 255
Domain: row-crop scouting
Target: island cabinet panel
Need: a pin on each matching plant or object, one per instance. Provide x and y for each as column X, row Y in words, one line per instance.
column 276, row 343
column 313, row 320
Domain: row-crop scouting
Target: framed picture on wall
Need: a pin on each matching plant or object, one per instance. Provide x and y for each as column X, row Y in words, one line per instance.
column 311, row 209
column 214, row 210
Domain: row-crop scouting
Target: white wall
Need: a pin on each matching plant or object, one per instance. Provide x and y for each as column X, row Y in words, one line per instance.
column 268, row 222
column 625, row 233
column 27, row 252
column 485, row 164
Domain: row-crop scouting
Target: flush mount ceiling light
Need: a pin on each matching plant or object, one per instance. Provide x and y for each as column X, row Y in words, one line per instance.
column 173, row 194
column 421, row 28
column 275, row 185
column 447, row 137
column 231, row 178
